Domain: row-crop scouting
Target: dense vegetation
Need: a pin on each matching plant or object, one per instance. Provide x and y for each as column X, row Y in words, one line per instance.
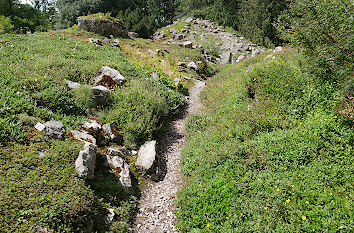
column 38, row 182
column 273, row 151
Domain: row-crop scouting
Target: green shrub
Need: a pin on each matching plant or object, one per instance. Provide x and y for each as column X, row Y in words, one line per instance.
column 57, row 99
column 138, row 110
column 324, row 30
column 83, row 98
column 6, row 25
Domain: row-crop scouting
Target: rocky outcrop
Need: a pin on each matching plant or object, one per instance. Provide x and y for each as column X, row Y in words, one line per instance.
column 54, row 129
column 119, row 167
column 109, row 77
column 104, row 26
column 228, row 45
column 86, row 161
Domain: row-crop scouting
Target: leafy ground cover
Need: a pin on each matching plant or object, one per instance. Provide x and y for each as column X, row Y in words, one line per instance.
column 272, row 153
column 39, row 187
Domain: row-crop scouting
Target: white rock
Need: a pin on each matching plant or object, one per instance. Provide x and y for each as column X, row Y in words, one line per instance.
column 101, row 94
column 86, row 161
column 109, row 216
column 192, row 65
column 83, row 136
column 72, row 85
column 91, row 127
column 278, row 49
column 110, row 77
column 255, row 53
column 187, row 44
column 146, row 155
column 188, row 20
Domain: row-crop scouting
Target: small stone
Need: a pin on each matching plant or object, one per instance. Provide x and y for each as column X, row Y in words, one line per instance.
column 188, row 20
column 151, row 52
column 82, row 136
column 72, row 85
column 95, row 41
column 133, row 35
column 55, row 129
column 255, row 53
column 193, row 66
column 278, row 49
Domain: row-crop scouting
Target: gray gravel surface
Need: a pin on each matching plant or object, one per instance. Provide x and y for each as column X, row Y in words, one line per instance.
column 156, row 206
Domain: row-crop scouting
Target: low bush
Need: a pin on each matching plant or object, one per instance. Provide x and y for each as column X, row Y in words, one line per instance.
column 275, row 160
column 138, row 110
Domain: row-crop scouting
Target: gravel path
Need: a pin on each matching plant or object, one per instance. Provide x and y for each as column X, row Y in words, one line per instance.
column 156, row 206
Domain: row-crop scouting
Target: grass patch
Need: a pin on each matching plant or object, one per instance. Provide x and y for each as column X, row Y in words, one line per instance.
column 271, row 153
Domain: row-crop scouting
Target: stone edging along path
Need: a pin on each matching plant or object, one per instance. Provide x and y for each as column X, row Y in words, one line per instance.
column 156, row 206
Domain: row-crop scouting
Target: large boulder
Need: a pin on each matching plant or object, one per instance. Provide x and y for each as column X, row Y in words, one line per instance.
column 54, row 129
column 86, row 161
column 147, row 156
column 109, row 77
column 101, row 95
column 119, row 167
column 102, row 25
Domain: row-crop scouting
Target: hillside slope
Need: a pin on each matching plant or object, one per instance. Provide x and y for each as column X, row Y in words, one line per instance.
column 273, row 152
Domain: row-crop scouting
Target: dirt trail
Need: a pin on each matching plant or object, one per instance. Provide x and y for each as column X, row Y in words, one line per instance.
column 156, row 206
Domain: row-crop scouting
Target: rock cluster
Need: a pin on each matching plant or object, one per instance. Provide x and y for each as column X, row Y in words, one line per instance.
column 107, row 79
column 231, row 48
column 104, row 27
